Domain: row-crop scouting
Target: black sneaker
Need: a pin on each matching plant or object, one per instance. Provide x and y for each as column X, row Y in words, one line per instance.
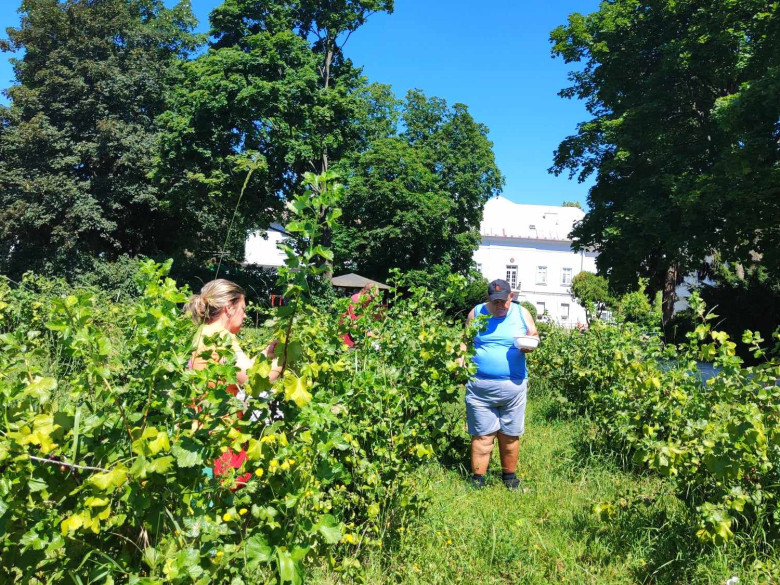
column 477, row 481
column 511, row 482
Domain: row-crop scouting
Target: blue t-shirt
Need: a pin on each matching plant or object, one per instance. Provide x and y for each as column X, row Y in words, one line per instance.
column 496, row 356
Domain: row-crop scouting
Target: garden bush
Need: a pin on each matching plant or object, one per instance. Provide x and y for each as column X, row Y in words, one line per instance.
column 108, row 440
column 718, row 440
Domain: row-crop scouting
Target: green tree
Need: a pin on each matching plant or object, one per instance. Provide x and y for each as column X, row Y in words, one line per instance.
column 571, row 204
column 683, row 136
column 78, row 140
column 592, row 292
column 414, row 200
column 635, row 307
column 274, row 93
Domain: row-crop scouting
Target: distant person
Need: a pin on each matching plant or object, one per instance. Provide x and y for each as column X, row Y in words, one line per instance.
column 219, row 310
column 359, row 300
column 496, row 396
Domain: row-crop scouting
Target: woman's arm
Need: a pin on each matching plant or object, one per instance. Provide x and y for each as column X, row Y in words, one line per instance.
column 276, row 367
column 245, row 363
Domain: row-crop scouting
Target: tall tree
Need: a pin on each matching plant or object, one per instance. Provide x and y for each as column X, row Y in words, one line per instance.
column 78, row 141
column 274, row 92
column 414, row 200
column 655, row 75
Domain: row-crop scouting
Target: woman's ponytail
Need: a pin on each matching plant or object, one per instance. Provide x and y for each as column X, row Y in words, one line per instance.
column 213, row 297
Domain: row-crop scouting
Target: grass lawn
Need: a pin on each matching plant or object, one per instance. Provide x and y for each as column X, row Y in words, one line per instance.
column 548, row 532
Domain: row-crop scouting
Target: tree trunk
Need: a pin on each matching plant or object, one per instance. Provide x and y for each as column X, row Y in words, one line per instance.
column 669, row 294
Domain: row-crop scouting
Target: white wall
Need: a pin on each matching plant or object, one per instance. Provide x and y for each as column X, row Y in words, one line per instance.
column 261, row 250
column 495, row 253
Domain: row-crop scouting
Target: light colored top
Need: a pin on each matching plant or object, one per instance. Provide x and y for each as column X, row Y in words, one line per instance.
column 496, row 356
column 243, row 362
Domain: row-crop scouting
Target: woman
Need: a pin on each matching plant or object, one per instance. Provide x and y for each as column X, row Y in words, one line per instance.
column 219, row 310
column 495, row 397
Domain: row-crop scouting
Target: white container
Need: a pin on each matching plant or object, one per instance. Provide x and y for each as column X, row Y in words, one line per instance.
column 526, row 342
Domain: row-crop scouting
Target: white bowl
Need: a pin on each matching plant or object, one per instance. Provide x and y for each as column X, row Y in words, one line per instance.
column 526, row 342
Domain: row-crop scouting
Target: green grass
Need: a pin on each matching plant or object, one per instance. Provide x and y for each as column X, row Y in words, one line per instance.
column 548, row 532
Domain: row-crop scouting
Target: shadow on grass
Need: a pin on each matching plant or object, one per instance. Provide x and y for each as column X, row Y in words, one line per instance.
column 655, row 530
column 553, row 406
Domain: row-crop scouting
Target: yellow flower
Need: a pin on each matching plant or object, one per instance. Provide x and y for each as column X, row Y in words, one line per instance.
column 259, row 472
column 219, row 553
column 226, row 516
column 243, row 511
column 285, row 466
column 449, row 541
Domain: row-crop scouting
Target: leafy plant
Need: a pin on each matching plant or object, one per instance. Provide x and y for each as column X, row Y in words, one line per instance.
column 108, row 443
column 718, row 440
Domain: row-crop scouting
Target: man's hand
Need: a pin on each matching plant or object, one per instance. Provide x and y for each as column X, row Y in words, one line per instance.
column 529, row 350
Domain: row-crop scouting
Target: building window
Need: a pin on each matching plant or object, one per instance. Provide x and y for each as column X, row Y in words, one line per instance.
column 541, row 275
column 565, row 311
column 511, row 275
column 566, row 276
column 539, row 309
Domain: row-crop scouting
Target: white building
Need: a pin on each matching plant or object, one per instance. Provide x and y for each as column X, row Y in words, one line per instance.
column 262, row 250
column 529, row 247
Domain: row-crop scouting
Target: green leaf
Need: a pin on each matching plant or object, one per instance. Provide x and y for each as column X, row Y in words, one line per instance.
column 41, row 389
column 295, row 390
column 330, row 528
column 185, row 457
column 160, row 465
column 256, row 551
column 109, row 481
column 289, row 570
column 36, row 485
column 254, row 450
column 159, row 443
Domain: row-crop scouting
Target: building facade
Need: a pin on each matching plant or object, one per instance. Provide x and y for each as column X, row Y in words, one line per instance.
column 529, row 247
column 262, row 249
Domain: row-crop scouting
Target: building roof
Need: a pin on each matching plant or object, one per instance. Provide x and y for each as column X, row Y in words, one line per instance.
column 503, row 218
column 353, row 280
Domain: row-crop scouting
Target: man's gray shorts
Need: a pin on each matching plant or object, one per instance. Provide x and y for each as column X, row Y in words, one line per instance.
column 496, row 405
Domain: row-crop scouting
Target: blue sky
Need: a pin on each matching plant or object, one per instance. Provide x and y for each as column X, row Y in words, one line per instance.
column 493, row 56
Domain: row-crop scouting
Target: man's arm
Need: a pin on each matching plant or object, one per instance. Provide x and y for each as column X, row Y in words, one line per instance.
column 529, row 322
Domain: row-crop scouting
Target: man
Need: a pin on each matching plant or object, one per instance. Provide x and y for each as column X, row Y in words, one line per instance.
column 496, row 396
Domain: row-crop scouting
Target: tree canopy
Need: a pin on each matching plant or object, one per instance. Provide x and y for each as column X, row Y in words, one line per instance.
column 120, row 139
column 78, row 141
column 274, row 93
column 592, row 292
column 683, row 137
column 414, row 199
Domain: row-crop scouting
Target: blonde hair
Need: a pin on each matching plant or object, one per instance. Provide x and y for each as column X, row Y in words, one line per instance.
column 213, row 297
